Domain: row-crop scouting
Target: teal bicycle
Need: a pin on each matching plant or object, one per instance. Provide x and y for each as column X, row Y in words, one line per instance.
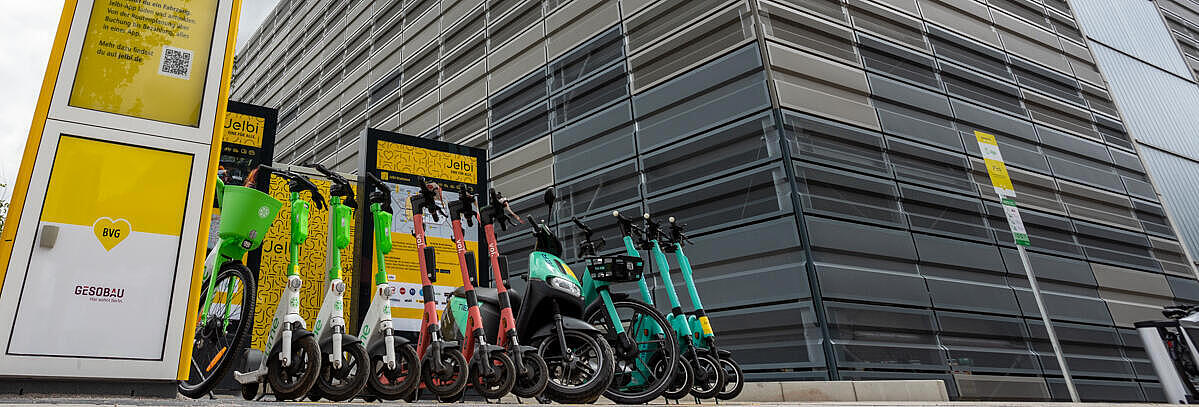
column 647, row 360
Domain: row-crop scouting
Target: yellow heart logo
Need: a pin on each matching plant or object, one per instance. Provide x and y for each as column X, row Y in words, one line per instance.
column 111, row 232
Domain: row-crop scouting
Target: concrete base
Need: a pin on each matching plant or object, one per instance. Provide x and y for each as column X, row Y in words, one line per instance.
column 148, row 389
column 845, row 391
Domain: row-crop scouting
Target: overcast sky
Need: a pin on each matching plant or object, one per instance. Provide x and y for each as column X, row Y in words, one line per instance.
column 29, row 28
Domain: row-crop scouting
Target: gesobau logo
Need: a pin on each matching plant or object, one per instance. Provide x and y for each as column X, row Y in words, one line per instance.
column 99, row 292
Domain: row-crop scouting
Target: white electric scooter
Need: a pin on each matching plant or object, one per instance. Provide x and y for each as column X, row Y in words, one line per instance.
column 294, row 361
column 395, row 368
column 344, row 368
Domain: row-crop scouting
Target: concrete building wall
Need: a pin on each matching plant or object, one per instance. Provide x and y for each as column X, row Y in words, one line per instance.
column 822, row 151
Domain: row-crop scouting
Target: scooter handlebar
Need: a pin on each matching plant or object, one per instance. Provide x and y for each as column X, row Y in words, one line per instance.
column 341, row 187
column 427, row 200
column 298, row 183
column 676, row 232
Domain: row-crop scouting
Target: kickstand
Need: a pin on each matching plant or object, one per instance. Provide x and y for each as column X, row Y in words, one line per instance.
column 697, row 401
column 211, row 395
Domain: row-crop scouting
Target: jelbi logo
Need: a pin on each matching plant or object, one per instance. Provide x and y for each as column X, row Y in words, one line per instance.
column 111, row 232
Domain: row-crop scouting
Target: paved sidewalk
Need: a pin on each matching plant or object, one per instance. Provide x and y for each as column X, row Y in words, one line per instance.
column 231, row 401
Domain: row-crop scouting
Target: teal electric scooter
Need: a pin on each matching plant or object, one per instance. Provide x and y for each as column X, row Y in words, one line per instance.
column 704, row 369
column 703, row 337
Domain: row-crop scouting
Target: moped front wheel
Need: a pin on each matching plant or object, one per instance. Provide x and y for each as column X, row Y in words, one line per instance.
column 580, row 373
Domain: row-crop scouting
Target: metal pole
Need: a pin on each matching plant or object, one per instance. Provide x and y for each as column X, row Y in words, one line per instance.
column 1057, row 348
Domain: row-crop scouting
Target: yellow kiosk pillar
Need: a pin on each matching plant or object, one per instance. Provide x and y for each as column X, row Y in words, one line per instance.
column 101, row 257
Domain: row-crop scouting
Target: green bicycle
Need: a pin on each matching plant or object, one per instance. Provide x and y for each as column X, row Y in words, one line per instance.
column 226, row 314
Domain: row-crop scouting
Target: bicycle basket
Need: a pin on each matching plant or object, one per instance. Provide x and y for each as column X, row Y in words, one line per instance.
column 246, row 214
column 615, row 269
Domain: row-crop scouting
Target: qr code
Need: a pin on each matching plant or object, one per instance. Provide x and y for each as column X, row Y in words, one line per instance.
column 176, row 63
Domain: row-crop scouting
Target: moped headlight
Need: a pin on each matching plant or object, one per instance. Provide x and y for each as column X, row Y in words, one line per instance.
column 564, row 285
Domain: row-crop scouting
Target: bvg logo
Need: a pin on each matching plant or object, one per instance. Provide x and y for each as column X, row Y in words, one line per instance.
column 111, row 232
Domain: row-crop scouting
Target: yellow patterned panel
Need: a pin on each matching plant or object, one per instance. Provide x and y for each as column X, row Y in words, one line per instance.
column 405, row 159
column 275, row 256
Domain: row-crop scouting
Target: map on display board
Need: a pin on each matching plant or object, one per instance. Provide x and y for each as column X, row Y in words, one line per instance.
column 401, row 161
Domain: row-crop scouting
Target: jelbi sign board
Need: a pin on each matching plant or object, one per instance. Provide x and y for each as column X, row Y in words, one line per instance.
column 103, row 246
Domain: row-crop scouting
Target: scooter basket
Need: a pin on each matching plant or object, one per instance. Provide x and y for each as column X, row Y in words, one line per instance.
column 246, row 214
column 615, row 269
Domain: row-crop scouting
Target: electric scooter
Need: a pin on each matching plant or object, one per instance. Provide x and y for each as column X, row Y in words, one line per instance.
column 226, row 315
column 492, row 371
column 703, row 336
column 708, row 375
column 395, row 368
column 344, row 368
column 444, row 370
column 647, row 359
column 294, row 362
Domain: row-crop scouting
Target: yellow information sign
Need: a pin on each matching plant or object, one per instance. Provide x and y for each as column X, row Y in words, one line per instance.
column 995, row 166
column 146, row 59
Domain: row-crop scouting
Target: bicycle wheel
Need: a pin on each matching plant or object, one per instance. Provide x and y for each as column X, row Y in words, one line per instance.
column 225, row 332
column 636, row 381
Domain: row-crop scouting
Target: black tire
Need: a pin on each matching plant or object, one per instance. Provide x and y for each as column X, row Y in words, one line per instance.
column 207, row 356
column 536, row 376
column 637, row 316
column 576, row 389
column 452, row 383
column 249, row 392
column 734, row 379
column 684, row 378
column 709, row 377
column 295, row 381
column 345, row 383
column 500, row 384
column 401, row 381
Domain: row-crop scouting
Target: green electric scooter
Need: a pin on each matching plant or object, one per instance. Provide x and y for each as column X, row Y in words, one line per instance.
column 703, row 337
column 704, row 368
column 293, row 363
column 344, row 369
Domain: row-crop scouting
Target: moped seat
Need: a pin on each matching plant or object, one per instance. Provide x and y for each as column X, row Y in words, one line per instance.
column 491, row 296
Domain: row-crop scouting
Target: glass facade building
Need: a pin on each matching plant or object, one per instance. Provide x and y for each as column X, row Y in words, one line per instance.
column 822, row 152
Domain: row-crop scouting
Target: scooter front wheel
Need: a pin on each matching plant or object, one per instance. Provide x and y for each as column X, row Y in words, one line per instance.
column 502, row 379
column 294, row 381
column 343, row 384
column 709, row 377
column 684, row 378
column 395, row 384
column 734, row 379
column 533, row 381
column 448, row 383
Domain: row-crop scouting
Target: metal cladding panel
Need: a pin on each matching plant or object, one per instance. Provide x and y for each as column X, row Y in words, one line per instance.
column 1133, row 27
column 1175, row 178
column 1160, row 109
